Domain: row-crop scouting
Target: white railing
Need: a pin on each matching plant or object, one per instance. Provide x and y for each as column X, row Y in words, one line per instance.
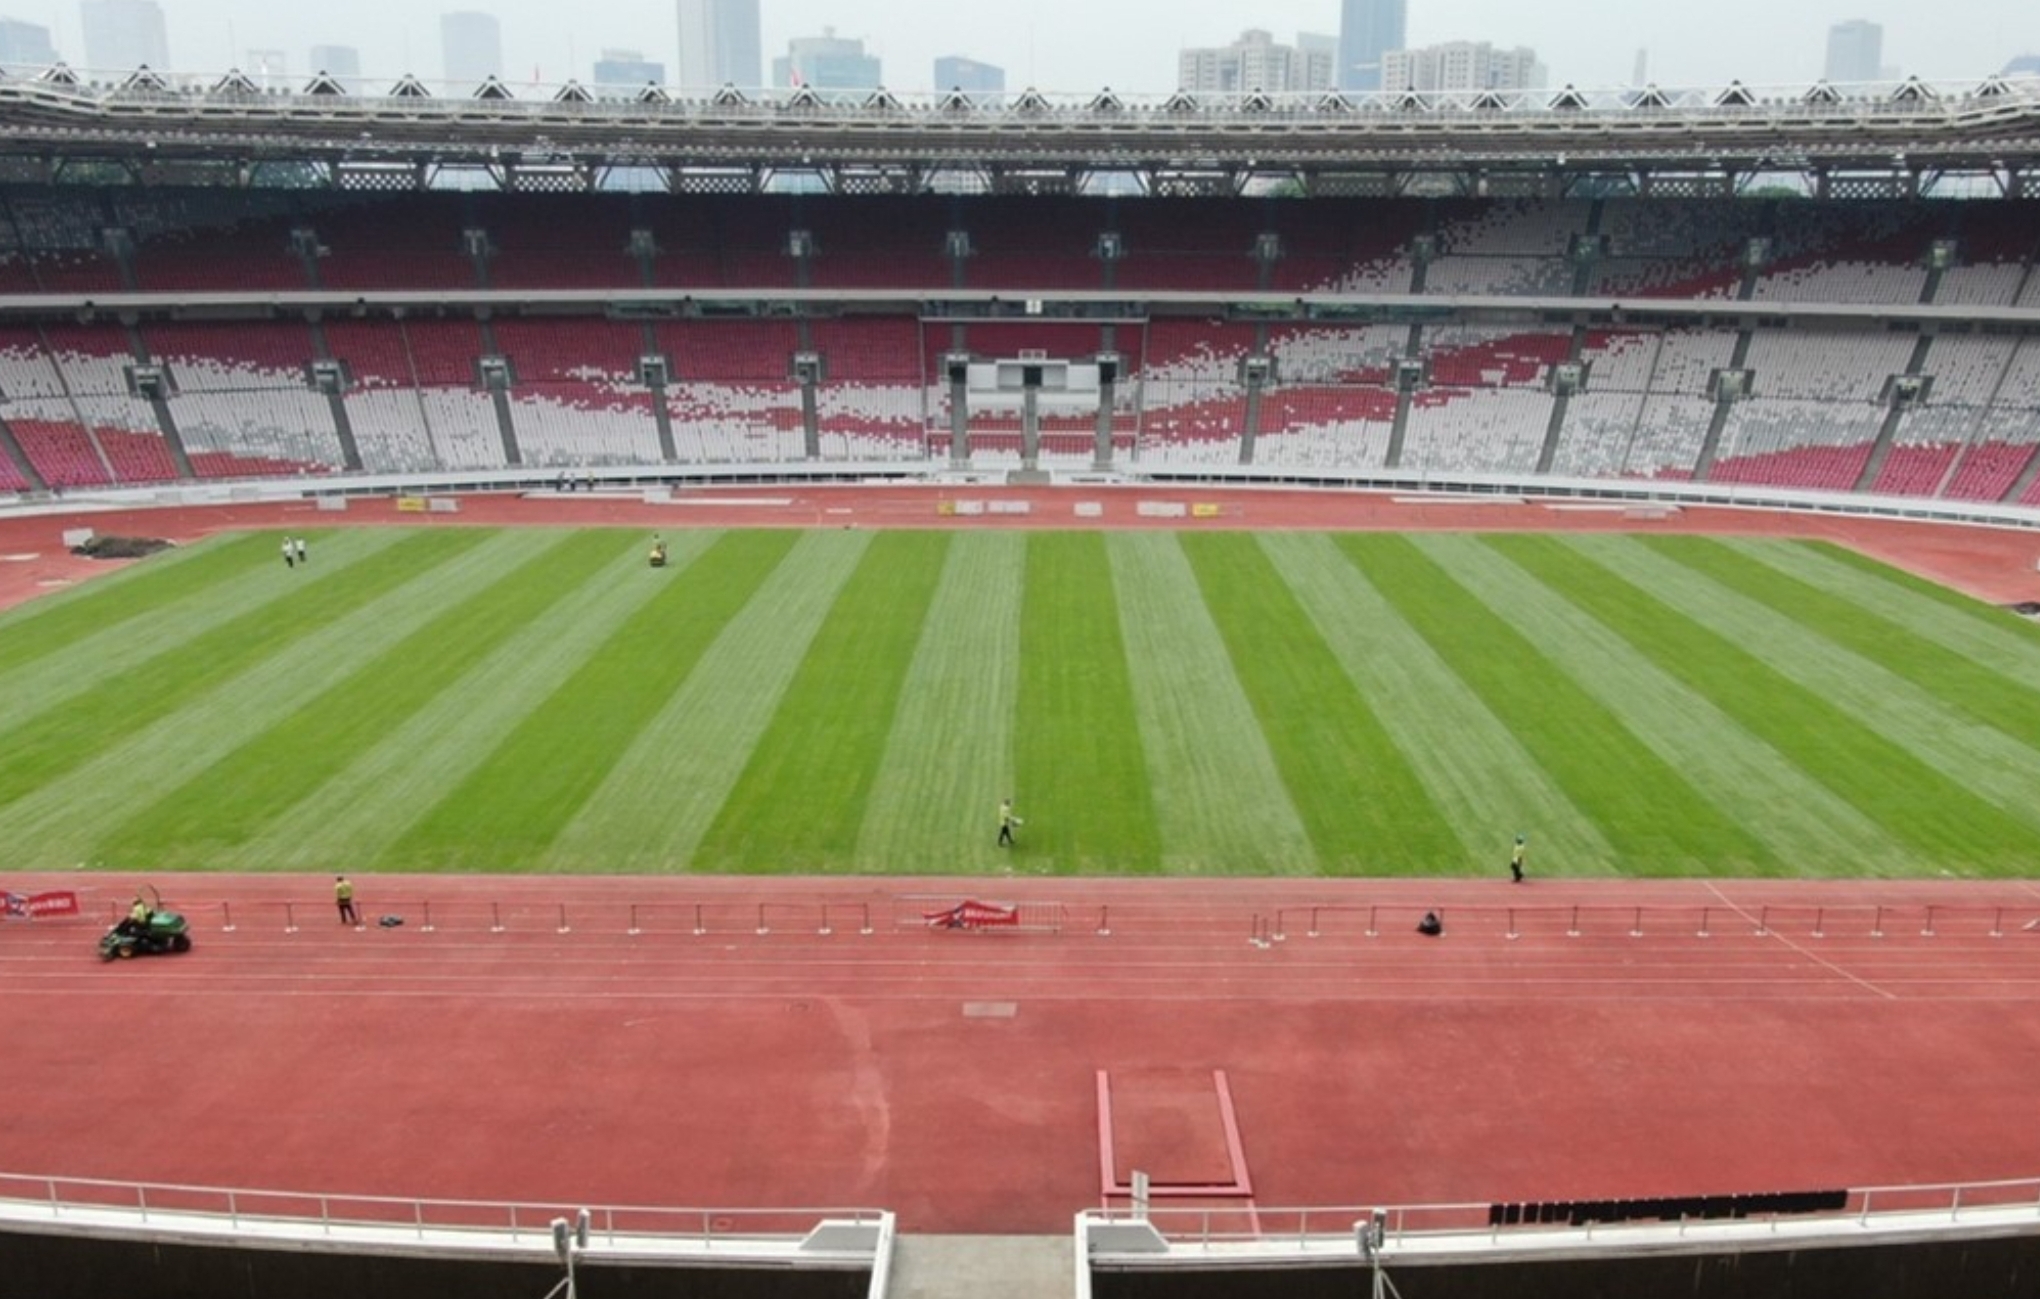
column 1472, row 1229
column 634, row 1231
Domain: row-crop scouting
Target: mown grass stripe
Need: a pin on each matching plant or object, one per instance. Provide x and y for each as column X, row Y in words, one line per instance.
column 1987, row 763
column 110, row 603
column 532, row 571
column 357, row 819
column 1219, row 797
column 1999, row 641
column 1624, row 586
column 1083, row 786
column 1958, row 681
column 1967, row 605
column 1653, row 817
column 1805, row 828
column 950, row 753
column 507, row 812
column 1485, row 786
column 135, row 766
column 1353, row 791
column 51, row 743
column 49, row 682
column 655, row 806
column 801, row 798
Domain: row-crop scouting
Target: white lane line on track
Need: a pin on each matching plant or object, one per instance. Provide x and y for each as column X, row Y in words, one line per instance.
column 1793, row 946
column 1439, row 993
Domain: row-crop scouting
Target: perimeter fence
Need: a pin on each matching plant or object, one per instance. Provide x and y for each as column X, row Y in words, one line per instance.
column 1705, row 920
column 1263, row 923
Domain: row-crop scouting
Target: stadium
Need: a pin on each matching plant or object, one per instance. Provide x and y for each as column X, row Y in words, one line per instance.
column 1288, row 505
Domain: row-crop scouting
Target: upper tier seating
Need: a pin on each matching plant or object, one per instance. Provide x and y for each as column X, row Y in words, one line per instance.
column 531, row 247
column 213, row 239
column 1016, row 247
column 242, row 403
column 417, row 245
column 881, row 242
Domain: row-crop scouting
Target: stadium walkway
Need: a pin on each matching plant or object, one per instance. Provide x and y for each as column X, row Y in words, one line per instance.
column 982, row 1267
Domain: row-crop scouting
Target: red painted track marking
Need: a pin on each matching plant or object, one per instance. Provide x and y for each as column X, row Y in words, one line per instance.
column 1108, row 1169
column 1242, row 1181
column 1168, row 1180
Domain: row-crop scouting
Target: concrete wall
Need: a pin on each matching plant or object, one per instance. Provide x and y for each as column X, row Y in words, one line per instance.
column 1991, row 1269
column 66, row 1267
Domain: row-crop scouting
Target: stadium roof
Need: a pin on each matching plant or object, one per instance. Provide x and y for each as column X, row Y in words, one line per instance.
column 1906, row 133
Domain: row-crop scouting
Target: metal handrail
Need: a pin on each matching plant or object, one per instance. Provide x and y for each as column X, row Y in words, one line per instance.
column 1211, row 1226
column 327, row 1210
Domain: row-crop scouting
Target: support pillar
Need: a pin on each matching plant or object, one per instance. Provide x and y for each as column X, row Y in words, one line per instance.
column 957, row 367
column 1255, row 371
column 1030, row 424
column 1101, row 448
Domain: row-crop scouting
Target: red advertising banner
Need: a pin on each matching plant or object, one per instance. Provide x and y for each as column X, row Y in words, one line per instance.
column 972, row 915
column 32, row 906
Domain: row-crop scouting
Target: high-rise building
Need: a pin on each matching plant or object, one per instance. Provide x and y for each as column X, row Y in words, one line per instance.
column 471, row 46
column 122, row 35
column 1324, row 43
column 342, row 61
column 267, row 68
column 627, row 70
column 1253, row 62
column 955, row 72
column 1368, row 29
column 25, row 45
column 827, row 62
column 719, row 44
column 1462, row 65
column 1855, row 51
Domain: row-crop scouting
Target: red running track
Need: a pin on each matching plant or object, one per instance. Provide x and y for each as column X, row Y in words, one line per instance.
column 1816, row 1036
column 1994, row 564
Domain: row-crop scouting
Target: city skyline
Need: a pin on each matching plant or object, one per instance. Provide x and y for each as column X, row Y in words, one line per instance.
column 1368, row 30
column 1855, row 51
column 1071, row 47
column 720, row 43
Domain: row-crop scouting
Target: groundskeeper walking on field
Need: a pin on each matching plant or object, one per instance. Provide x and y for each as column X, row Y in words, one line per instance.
column 1516, row 856
column 1007, row 821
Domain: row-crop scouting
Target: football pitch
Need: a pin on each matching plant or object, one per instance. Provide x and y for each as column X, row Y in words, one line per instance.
column 858, row 702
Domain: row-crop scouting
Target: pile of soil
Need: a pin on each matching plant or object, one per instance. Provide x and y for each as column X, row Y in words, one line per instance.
column 121, row 547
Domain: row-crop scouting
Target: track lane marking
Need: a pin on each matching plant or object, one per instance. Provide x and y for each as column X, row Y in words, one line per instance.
column 1793, row 946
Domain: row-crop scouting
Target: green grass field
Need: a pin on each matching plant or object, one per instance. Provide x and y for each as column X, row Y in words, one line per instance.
column 858, row 702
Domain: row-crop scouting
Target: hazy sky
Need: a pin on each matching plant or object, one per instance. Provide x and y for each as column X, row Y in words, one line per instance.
column 1081, row 45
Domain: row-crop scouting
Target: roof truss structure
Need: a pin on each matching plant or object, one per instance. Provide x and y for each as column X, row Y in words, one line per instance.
column 1885, row 142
